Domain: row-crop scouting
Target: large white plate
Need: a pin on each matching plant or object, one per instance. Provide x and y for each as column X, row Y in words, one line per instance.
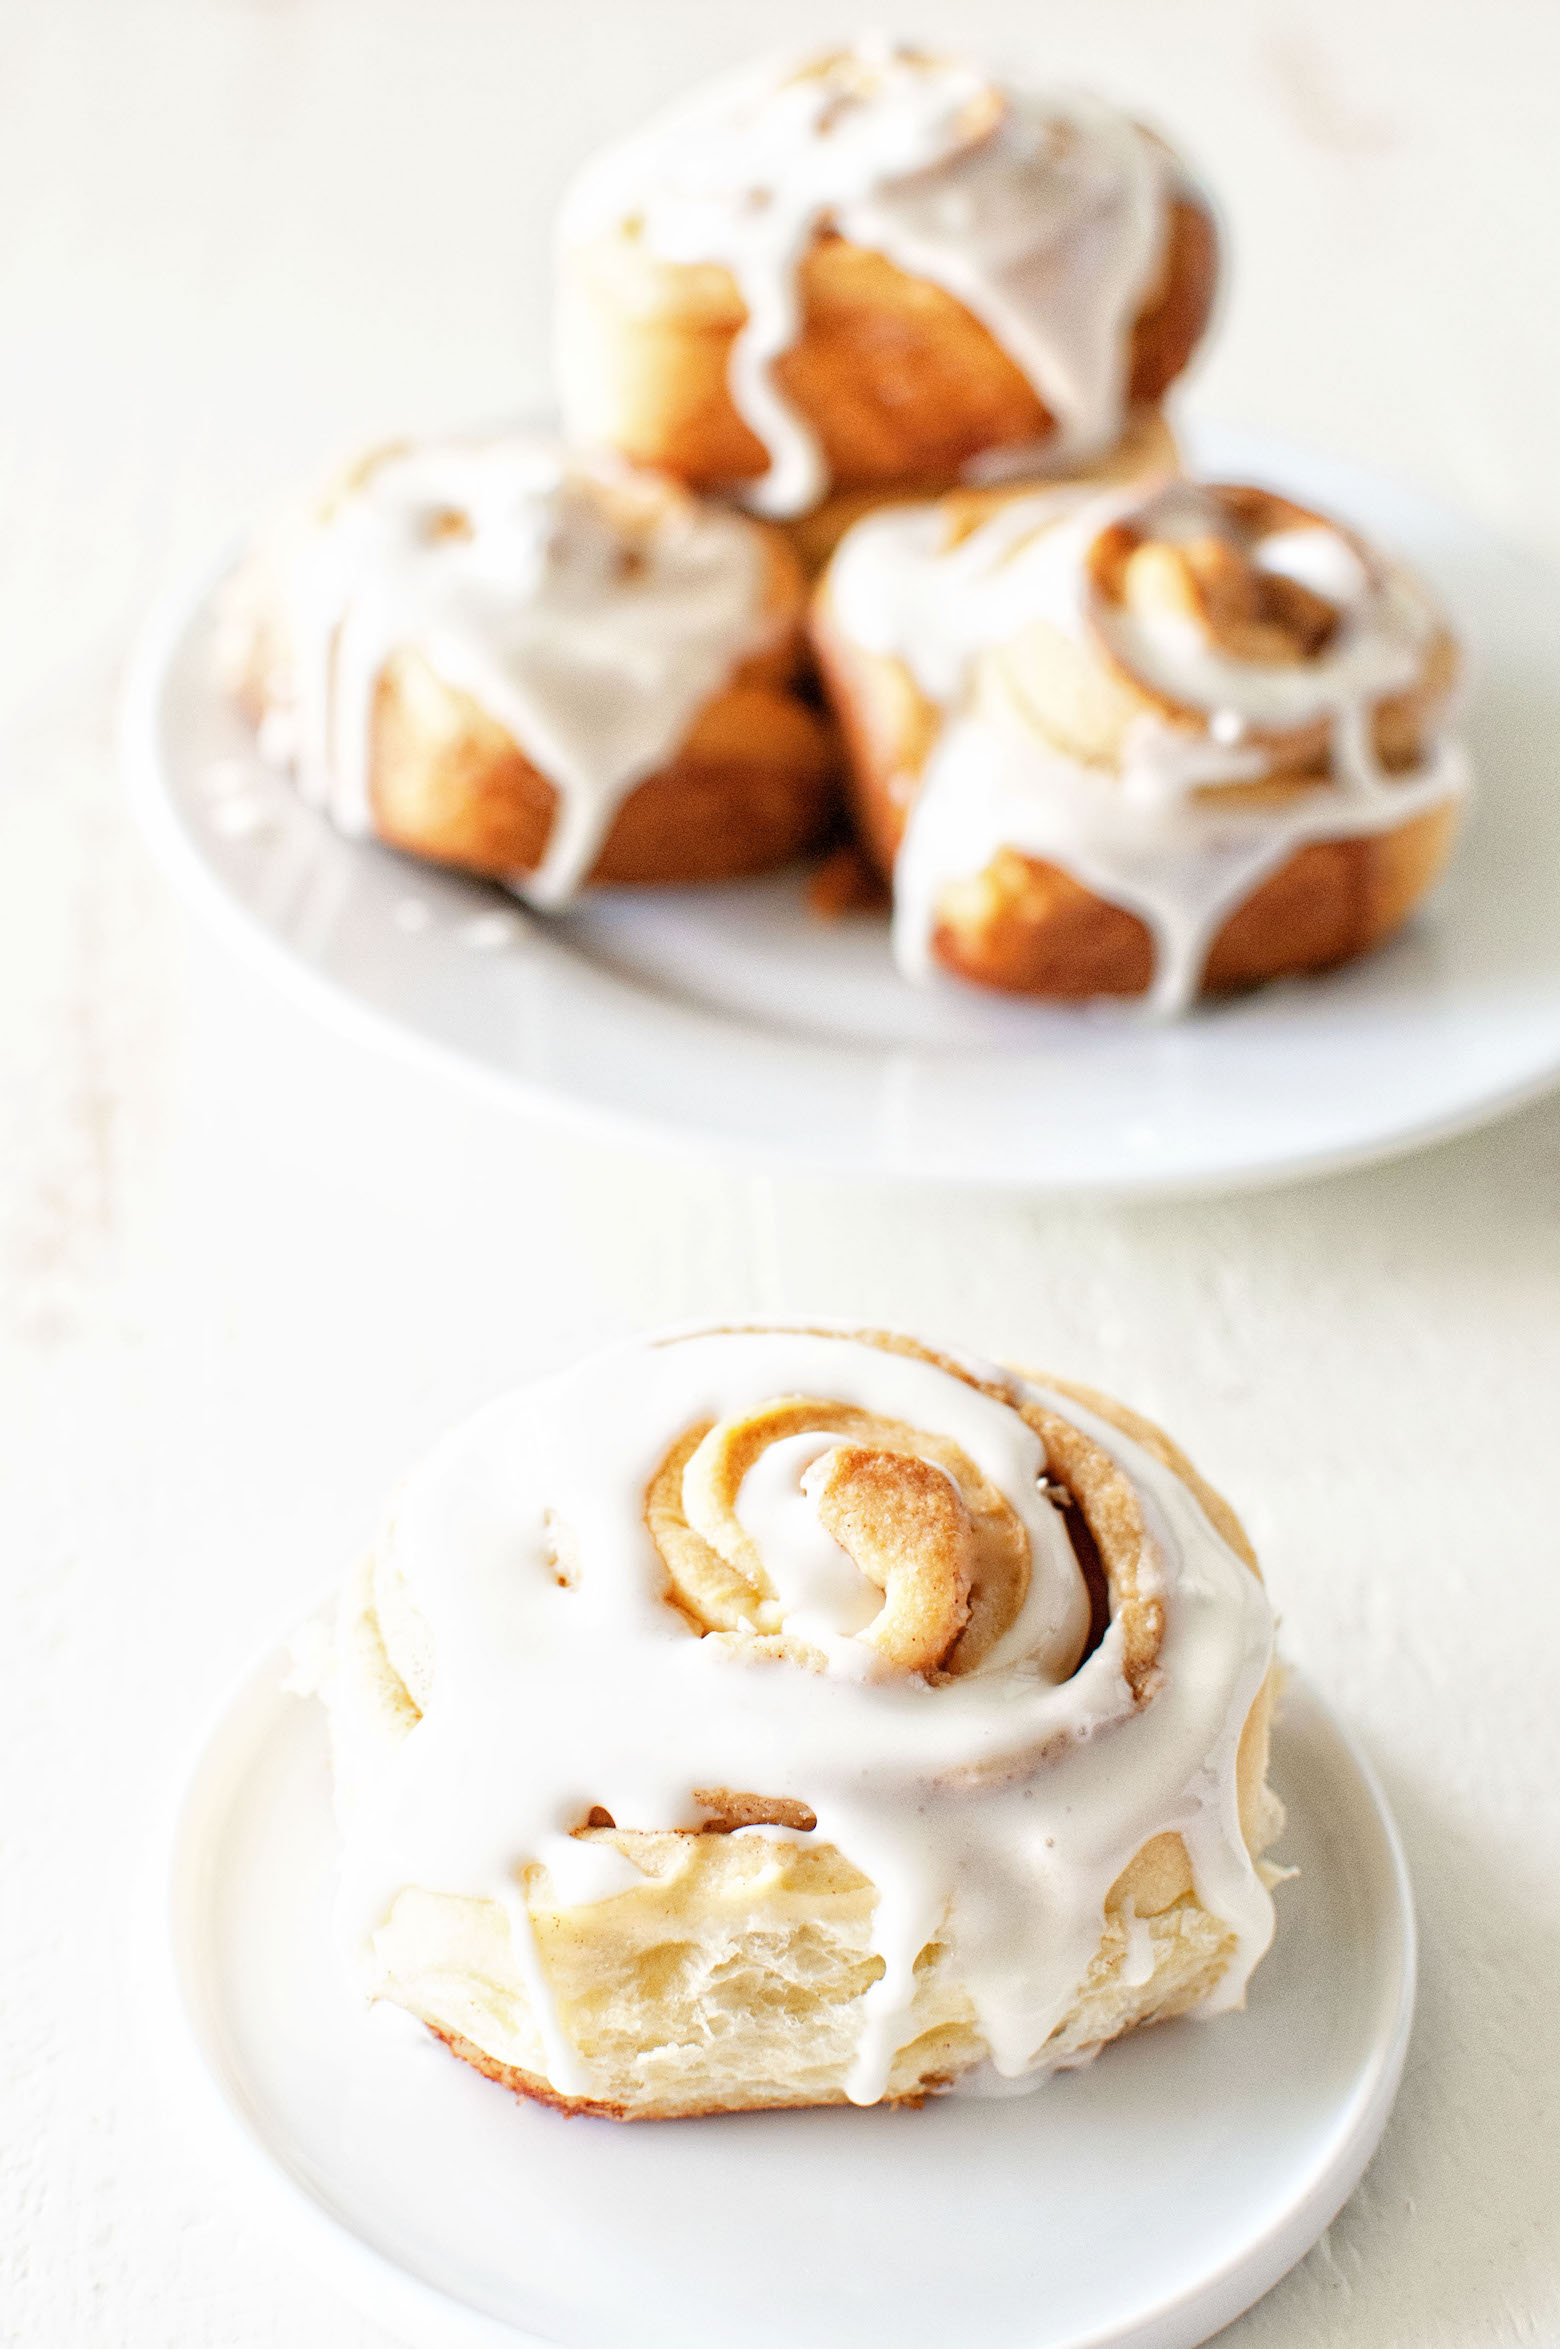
column 730, row 1019
column 1146, row 2200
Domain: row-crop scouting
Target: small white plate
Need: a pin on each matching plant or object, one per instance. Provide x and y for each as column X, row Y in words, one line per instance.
column 1146, row 2200
column 732, row 1019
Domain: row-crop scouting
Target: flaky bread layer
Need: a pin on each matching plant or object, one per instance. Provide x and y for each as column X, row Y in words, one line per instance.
column 1188, row 1949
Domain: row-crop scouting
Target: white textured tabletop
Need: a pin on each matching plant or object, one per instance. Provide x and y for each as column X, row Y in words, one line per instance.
column 249, row 1269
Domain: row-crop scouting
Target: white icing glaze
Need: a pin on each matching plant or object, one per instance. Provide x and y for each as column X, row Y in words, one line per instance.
column 822, row 1597
column 506, row 565
column 1182, row 867
column 1377, row 651
column 1154, row 836
column 1138, row 1966
column 997, row 1808
column 1044, row 215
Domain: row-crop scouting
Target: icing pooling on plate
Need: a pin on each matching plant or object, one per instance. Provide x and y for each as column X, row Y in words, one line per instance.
column 997, row 1808
column 1154, row 836
column 590, row 612
column 1044, row 215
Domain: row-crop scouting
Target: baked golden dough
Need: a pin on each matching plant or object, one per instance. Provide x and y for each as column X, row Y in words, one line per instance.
column 1025, row 927
column 1024, row 923
column 877, row 268
column 751, row 783
column 1146, row 451
column 901, row 384
column 729, row 1976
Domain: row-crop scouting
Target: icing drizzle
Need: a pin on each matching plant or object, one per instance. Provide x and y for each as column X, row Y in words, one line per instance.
column 1043, row 215
column 590, row 611
column 998, row 1807
column 1154, row 834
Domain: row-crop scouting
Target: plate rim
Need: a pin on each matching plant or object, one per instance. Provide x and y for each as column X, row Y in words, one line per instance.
column 349, row 1014
column 182, row 2009
column 178, row 2012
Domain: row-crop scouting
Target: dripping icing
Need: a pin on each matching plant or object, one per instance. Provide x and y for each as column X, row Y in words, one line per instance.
column 626, row 1707
column 1155, row 837
column 1044, row 215
column 589, row 612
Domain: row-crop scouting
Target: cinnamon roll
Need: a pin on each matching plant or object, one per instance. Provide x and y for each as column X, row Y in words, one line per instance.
column 798, row 1715
column 876, row 266
column 1140, row 742
column 545, row 668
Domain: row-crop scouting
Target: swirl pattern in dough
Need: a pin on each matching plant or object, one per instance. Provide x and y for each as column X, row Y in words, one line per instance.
column 1140, row 741
column 794, row 1715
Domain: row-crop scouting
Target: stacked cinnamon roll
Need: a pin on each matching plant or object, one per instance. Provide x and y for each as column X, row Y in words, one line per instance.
column 870, row 269
column 537, row 665
column 879, row 305
column 794, row 1715
column 1142, row 742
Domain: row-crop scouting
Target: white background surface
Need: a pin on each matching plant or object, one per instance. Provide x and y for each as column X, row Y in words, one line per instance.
column 249, row 1270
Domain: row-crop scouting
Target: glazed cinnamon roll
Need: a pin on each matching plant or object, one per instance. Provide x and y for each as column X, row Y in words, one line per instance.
column 799, row 1715
column 876, row 266
column 549, row 669
column 1140, row 743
